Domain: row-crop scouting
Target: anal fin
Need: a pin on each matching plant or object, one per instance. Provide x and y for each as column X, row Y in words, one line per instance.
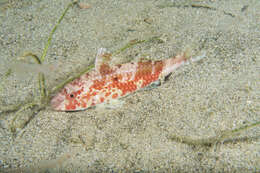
column 153, row 85
column 112, row 104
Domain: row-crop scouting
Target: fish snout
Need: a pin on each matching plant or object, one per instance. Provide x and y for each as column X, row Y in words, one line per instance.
column 58, row 102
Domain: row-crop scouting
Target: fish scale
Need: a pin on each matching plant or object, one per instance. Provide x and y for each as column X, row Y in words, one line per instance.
column 107, row 82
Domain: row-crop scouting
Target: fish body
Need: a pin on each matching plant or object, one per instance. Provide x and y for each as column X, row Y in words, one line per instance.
column 106, row 82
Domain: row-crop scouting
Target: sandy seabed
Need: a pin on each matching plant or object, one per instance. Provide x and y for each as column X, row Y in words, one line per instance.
column 198, row 101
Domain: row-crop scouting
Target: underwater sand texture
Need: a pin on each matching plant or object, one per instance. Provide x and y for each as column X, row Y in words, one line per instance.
column 198, row 101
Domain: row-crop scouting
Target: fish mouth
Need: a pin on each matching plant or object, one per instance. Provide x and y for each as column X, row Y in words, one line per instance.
column 57, row 102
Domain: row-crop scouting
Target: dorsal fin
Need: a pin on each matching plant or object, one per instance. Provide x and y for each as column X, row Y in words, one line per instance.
column 102, row 58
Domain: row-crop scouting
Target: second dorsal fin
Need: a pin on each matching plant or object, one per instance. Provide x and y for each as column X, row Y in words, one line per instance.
column 103, row 58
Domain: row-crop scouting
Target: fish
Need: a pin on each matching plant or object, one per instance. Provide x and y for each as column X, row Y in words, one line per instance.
column 109, row 82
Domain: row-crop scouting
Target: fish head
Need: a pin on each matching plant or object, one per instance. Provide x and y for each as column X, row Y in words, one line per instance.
column 58, row 101
column 68, row 99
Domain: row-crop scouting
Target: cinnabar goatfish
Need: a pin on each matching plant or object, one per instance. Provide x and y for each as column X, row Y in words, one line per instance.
column 106, row 82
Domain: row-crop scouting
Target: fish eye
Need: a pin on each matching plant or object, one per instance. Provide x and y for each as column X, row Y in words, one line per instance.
column 115, row 79
column 71, row 95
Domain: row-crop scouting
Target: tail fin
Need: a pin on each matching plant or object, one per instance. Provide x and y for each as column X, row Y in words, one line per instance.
column 190, row 59
column 199, row 57
column 171, row 64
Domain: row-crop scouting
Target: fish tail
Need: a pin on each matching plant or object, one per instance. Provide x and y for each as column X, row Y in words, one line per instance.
column 198, row 57
column 188, row 58
column 182, row 59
